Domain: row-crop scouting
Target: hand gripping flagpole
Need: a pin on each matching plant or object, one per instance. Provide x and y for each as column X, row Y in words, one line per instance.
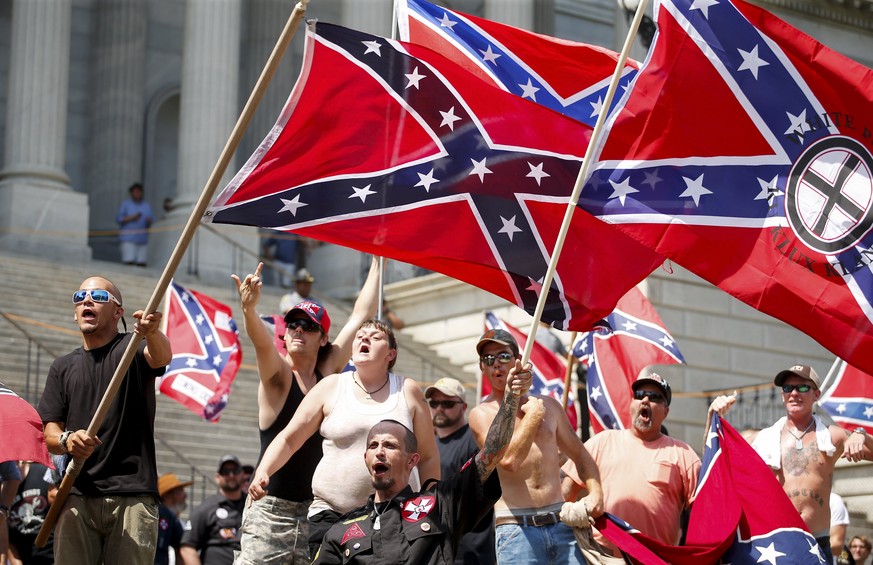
column 230, row 147
column 582, row 177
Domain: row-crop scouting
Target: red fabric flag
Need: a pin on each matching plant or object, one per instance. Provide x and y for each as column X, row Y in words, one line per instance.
column 21, row 437
column 206, row 351
column 616, row 355
column 392, row 149
column 549, row 368
column 849, row 400
column 752, row 167
column 740, row 515
column 568, row 77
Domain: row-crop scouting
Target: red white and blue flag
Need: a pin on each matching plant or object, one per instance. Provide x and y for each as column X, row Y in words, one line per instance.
column 392, row 149
column 568, row 77
column 206, row 351
column 740, row 515
column 849, row 400
column 634, row 338
column 21, row 428
column 549, row 369
column 752, row 167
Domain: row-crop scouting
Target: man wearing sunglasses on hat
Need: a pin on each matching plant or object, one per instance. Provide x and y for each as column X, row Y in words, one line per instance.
column 527, row 516
column 648, row 477
column 802, row 451
column 456, row 443
column 119, row 477
column 275, row 528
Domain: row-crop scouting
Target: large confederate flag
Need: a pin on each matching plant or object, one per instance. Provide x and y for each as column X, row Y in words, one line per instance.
column 392, row 149
column 752, row 167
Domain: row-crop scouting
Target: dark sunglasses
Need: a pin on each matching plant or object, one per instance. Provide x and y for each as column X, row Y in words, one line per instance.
column 653, row 396
column 304, row 324
column 100, row 296
column 446, row 404
column 227, row 471
column 787, row 389
column 502, row 358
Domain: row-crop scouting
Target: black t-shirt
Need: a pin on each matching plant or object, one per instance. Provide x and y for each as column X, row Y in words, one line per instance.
column 124, row 464
column 420, row 528
column 214, row 529
column 27, row 514
column 170, row 532
column 477, row 546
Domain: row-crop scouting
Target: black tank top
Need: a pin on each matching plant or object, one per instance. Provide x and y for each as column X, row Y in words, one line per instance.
column 294, row 480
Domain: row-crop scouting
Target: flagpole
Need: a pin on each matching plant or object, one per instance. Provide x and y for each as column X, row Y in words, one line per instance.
column 583, row 175
column 187, row 234
column 571, row 361
column 831, row 374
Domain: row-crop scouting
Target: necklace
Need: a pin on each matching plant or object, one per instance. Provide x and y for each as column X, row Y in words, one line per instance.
column 798, row 441
column 370, row 393
column 377, row 525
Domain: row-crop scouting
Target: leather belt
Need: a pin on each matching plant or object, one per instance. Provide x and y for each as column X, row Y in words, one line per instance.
column 536, row 520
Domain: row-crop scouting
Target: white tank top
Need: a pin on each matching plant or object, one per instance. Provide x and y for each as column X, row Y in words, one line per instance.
column 341, row 481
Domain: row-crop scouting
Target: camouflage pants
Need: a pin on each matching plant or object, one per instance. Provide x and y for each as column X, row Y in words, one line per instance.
column 275, row 532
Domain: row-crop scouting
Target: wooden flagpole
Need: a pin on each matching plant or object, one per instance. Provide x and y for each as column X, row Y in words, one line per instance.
column 571, row 363
column 230, row 147
column 582, row 177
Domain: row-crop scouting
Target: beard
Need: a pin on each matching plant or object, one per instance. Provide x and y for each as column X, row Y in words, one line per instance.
column 641, row 424
column 383, row 483
column 443, row 421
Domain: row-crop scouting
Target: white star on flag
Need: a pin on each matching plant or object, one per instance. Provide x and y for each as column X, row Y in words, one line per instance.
column 191, row 362
column 629, row 326
column 695, row 189
column 797, row 123
column 621, row 190
column 841, row 408
column 769, row 553
column 426, row 180
column 208, row 339
column 216, row 360
column 529, row 90
column 595, row 393
column 414, row 78
column 446, row 22
column 373, row 47
column 199, row 319
column 652, row 178
column 536, row 172
column 292, row 205
column 449, row 118
column 703, row 6
column 362, row 193
column 597, row 107
column 751, row 61
column 480, row 169
column 489, row 56
column 668, row 343
column 509, row 227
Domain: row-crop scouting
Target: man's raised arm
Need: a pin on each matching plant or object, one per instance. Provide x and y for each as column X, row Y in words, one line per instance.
column 502, row 426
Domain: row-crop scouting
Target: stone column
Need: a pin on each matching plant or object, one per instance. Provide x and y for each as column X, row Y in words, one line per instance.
column 371, row 16
column 39, row 213
column 115, row 146
column 518, row 13
column 210, row 106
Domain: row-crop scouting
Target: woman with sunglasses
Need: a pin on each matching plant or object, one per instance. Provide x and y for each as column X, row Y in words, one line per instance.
column 117, row 487
column 802, row 451
column 343, row 407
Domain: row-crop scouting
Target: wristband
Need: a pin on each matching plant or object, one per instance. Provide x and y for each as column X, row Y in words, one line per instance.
column 62, row 440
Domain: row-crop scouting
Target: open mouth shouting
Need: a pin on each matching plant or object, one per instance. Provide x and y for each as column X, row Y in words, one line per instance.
column 643, row 417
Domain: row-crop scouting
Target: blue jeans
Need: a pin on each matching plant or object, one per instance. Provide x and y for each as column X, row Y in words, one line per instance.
column 535, row 545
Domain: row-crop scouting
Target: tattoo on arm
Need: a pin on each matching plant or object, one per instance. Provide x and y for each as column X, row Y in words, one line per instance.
column 498, row 436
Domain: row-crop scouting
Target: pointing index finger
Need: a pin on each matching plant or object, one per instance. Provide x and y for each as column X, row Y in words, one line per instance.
column 259, row 269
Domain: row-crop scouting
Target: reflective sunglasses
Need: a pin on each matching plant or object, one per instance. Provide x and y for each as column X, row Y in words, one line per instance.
column 227, row 471
column 502, row 358
column 653, row 396
column 787, row 389
column 304, row 324
column 446, row 404
column 101, row 296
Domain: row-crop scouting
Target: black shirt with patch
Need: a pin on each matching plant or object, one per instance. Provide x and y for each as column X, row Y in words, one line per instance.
column 414, row 527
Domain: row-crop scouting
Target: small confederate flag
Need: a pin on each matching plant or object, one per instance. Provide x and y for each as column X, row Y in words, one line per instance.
column 849, row 400
column 21, row 437
column 634, row 339
column 206, row 351
column 549, row 369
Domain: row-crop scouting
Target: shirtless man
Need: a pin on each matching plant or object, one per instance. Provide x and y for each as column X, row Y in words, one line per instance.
column 802, row 451
column 530, row 470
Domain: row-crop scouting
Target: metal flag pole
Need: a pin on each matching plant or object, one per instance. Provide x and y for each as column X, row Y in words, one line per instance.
column 583, row 175
column 187, row 234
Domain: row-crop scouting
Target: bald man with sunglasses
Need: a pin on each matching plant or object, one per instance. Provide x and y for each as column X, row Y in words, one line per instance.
column 802, row 450
column 527, row 516
column 111, row 514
